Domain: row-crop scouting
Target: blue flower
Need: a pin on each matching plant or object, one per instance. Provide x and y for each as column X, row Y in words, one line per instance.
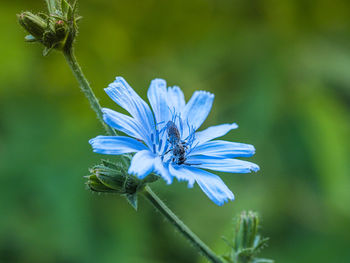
column 166, row 141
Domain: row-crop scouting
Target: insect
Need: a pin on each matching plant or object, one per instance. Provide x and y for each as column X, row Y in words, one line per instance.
column 178, row 147
column 173, row 133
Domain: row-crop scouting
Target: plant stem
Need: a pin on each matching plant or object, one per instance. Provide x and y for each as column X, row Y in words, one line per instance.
column 180, row 226
column 149, row 194
column 85, row 87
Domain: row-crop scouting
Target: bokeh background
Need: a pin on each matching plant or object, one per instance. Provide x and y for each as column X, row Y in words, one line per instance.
column 280, row 69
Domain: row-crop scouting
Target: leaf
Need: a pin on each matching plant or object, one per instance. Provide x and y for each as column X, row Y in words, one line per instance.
column 51, row 6
column 46, row 51
column 260, row 243
column 109, row 164
column 70, row 14
column 74, row 6
column 132, row 200
column 64, row 6
column 229, row 243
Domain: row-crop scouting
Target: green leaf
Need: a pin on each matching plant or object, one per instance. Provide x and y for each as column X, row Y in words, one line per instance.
column 64, row 6
column 78, row 18
column 51, row 6
column 46, row 51
column 70, row 14
column 109, row 164
column 132, row 200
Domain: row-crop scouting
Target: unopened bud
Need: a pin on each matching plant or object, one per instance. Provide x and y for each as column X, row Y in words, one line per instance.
column 246, row 230
column 61, row 29
column 33, row 24
column 56, row 29
column 110, row 177
column 247, row 243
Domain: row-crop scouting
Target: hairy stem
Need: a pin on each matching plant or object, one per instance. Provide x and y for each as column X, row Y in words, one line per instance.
column 85, row 87
column 180, row 226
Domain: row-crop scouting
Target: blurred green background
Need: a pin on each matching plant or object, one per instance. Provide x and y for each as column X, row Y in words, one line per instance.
column 280, row 69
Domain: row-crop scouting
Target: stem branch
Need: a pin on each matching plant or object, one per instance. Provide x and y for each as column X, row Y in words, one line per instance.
column 180, row 226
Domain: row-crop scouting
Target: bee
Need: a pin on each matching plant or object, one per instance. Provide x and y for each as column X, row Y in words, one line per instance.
column 178, row 147
column 173, row 133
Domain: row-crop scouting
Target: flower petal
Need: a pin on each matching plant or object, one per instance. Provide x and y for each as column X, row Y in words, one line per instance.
column 181, row 174
column 197, row 109
column 116, row 145
column 162, row 169
column 176, row 99
column 214, row 132
column 123, row 123
column 223, row 165
column 211, row 184
column 126, row 97
column 157, row 96
column 142, row 164
column 223, row 149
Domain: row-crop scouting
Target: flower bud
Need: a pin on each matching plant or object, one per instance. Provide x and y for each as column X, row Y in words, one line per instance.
column 106, row 179
column 55, row 30
column 33, row 24
column 247, row 243
column 55, row 38
column 246, row 230
column 95, row 185
column 113, row 178
column 110, row 177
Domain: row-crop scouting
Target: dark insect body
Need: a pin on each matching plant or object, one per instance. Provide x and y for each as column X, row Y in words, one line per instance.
column 173, row 133
column 178, row 147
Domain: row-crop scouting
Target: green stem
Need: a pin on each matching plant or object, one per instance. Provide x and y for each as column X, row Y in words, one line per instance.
column 180, row 226
column 149, row 194
column 85, row 87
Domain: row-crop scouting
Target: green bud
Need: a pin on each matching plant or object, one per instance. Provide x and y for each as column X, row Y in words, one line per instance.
column 33, row 24
column 115, row 178
column 56, row 37
column 111, row 177
column 61, row 29
column 55, row 30
column 246, row 230
column 247, row 243
column 95, row 185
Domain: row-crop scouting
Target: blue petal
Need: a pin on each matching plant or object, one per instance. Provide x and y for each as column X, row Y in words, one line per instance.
column 162, row 169
column 142, row 164
column 116, row 145
column 181, row 174
column 197, row 109
column 223, row 165
column 223, row 149
column 211, row 184
column 214, row 132
column 126, row 97
column 176, row 99
column 157, row 96
column 123, row 123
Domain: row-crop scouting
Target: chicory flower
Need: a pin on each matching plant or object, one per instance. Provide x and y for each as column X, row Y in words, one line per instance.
column 165, row 139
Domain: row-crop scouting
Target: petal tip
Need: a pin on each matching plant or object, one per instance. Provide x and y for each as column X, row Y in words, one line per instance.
column 254, row 168
column 169, row 181
column 119, row 79
column 158, row 81
column 234, row 125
